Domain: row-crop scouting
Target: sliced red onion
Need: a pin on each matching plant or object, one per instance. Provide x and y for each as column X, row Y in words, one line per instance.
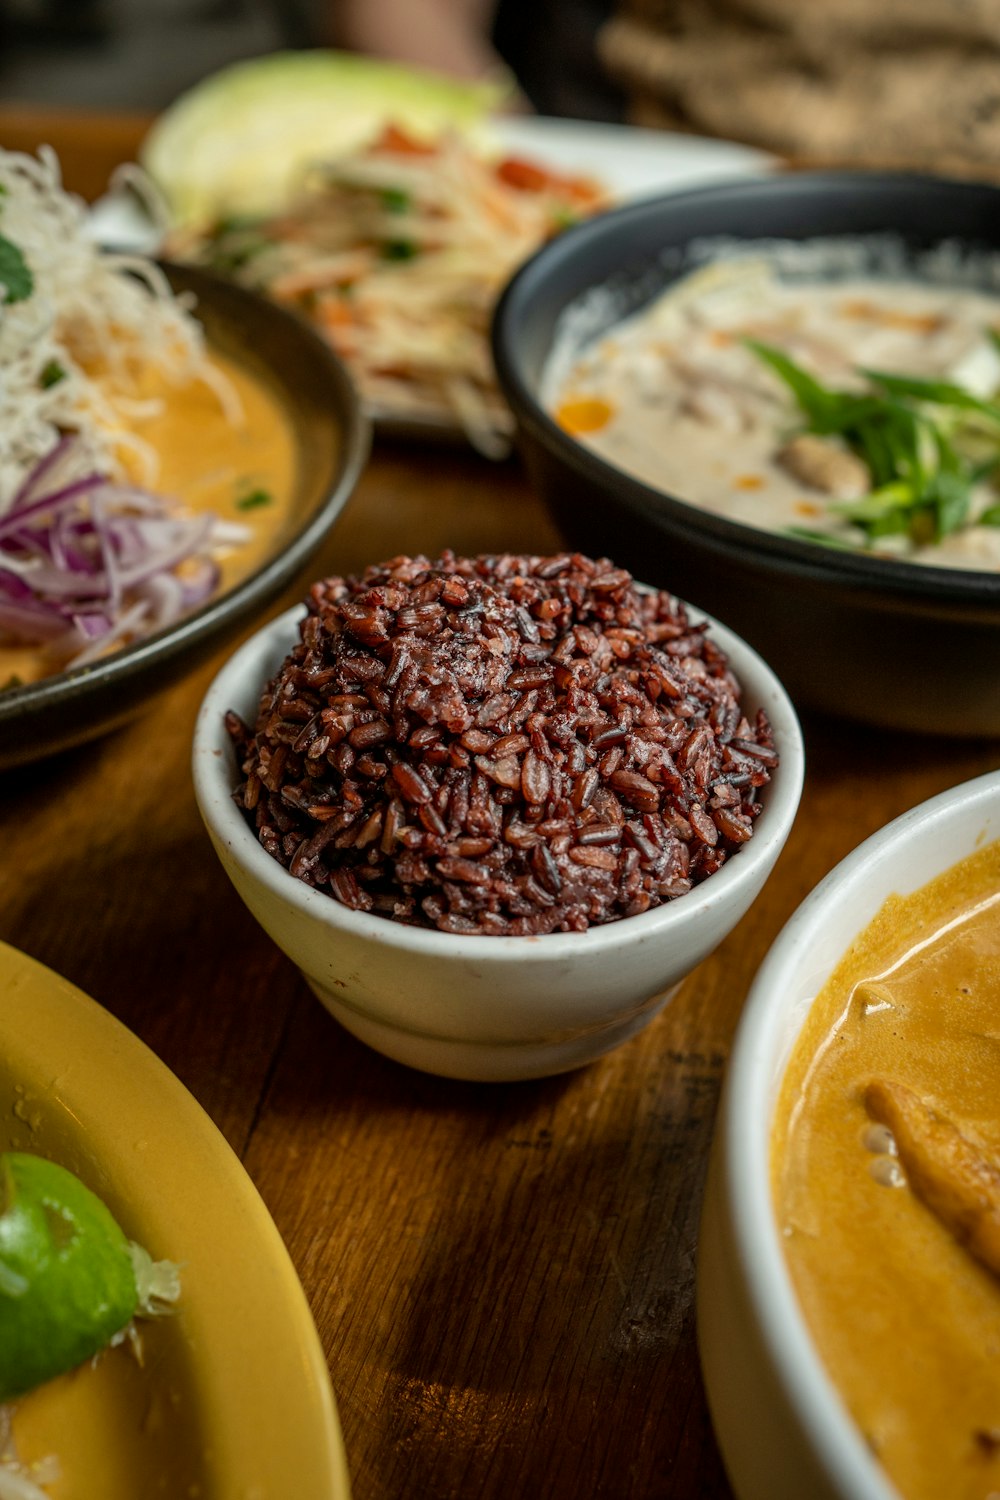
column 92, row 627
column 85, row 563
column 13, row 520
column 200, row 583
column 28, row 622
column 44, row 470
column 127, row 624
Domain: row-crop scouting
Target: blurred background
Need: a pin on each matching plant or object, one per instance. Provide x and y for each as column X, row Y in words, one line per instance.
column 140, row 54
column 134, row 55
column 909, row 83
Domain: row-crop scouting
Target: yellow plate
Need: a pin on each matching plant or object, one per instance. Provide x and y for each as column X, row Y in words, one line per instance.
column 233, row 1399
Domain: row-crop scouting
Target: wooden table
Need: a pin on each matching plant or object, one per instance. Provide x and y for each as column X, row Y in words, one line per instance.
column 502, row 1276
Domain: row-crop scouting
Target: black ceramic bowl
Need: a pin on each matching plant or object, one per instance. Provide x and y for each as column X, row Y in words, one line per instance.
column 891, row 643
column 332, row 439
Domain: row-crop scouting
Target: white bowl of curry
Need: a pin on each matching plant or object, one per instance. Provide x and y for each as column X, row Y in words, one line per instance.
column 849, row 1265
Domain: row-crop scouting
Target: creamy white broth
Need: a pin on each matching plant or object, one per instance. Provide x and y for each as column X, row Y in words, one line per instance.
column 674, row 396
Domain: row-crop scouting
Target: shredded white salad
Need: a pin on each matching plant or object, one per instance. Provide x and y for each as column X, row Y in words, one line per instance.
column 88, row 557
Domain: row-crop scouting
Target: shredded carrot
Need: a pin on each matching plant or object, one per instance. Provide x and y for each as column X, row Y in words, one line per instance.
column 335, row 312
column 531, row 178
column 393, row 138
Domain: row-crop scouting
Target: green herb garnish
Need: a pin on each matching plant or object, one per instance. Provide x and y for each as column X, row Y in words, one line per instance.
column 51, row 375
column 15, row 273
column 254, row 499
column 826, row 538
column 236, row 239
column 395, row 200
column 234, row 223
column 936, row 392
column 926, row 443
column 398, row 250
column 233, row 252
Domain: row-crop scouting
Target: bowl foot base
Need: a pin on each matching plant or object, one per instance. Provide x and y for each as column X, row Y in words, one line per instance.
column 491, row 1062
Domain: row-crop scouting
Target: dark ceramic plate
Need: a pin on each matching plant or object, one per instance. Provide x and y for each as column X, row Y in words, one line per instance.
column 890, row 643
column 332, row 437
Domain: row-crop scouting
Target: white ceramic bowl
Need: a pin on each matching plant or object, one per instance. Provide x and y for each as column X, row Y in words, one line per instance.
column 485, row 1007
column 783, row 1430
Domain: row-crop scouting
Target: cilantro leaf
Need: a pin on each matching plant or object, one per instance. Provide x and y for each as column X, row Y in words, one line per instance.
column 15, row 273
column 51, row 375
column 254, row 499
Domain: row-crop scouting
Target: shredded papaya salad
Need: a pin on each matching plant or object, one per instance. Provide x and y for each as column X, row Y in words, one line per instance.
column 397, row 252
column 90, row 554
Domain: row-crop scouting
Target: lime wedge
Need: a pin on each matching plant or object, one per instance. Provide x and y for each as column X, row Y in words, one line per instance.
column 67, row 1283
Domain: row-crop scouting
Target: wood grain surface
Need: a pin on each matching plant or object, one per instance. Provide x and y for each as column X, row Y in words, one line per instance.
column 502, row 1275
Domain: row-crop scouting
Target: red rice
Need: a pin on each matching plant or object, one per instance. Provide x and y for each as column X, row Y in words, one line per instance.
column 501, row 745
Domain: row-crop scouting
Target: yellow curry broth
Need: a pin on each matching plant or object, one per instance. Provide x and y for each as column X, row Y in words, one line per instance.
column 208, row 462
column 905, row 1319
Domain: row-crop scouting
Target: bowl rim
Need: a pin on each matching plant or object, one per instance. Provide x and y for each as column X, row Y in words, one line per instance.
column 745, row 1125
column 211, row 769
column 895, row 581
column 131, row 662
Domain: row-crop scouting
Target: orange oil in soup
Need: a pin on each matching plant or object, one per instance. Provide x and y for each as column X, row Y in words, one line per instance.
column 209, row 462
column 906, row 1320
